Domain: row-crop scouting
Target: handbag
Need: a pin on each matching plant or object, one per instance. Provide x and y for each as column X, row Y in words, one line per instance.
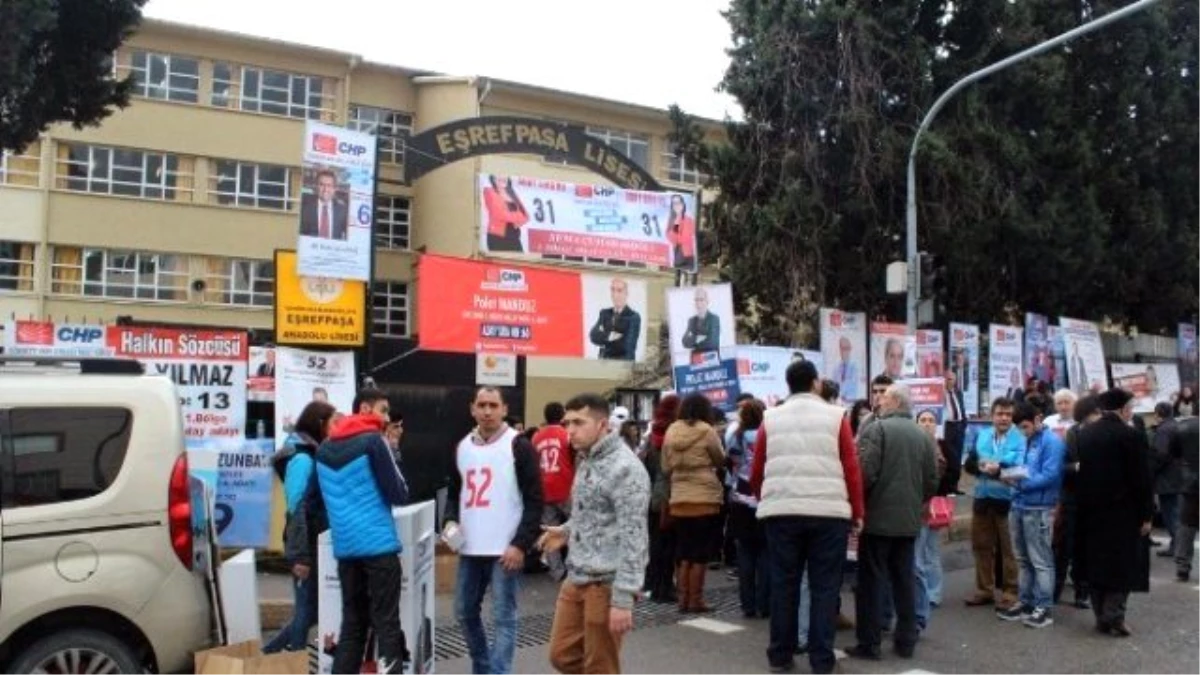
column 939, row 512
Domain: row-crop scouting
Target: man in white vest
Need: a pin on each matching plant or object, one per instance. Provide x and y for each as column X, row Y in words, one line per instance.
column 809, row 487
column 493, row 514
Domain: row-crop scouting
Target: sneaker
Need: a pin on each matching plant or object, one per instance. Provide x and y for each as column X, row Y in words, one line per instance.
column 1040, row 618
column 863, row 652
column 1014, row 613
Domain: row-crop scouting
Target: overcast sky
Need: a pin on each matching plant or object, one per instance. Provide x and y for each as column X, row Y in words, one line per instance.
column 652, row 52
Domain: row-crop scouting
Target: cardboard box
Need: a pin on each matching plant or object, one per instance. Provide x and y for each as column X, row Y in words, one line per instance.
column 445, row 572
column 247, row 657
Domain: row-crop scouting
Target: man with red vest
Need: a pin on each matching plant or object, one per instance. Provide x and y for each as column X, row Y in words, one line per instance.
column 558, row 473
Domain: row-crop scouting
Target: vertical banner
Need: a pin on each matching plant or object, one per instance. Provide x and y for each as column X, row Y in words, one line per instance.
column 893, row 350
column 260, row 382
column 238, row 472
column 1188, row 355
column 303, row 376
column 614, row 317
column 317, row 311
column 1038, row 362
column 762, row 371
column 928, row 393
column 208, row 368
column 337, row 203
column 46, row 338
column 1058, row 357
column 703, row 342
column 844, row 348
column 1086, row 369
column 1005, row 344
column 964, row 363
column 1150, row 383
column 930, row 353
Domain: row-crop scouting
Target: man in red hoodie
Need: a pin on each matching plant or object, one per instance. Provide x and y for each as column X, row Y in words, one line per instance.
column 558, row 473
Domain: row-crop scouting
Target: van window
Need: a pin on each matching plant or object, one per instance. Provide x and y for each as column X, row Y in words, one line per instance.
column 61, row 454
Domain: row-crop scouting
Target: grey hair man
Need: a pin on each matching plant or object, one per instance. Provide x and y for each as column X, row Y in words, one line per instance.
column 1063, row 417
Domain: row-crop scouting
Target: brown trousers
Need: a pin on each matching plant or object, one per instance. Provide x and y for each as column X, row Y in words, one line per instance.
column 988, row 526
column 580, row 641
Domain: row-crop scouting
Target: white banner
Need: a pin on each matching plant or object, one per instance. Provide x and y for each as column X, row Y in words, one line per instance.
column 46, row 338
column 930, row 353
column 964, row 362
column 1005, row 348
column 762, row 371
column 536, row 217
column 337, row 203
column 495, row 370
column 303, row 376
column 260, row 383
column 703, row 342
column 1086, row 369
column 1150, row 383
column 615, row 312
column 844, row 348
column 893, row 351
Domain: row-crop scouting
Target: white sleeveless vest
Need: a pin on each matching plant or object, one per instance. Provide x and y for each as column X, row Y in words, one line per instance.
column 803, row 473
column 490, row 504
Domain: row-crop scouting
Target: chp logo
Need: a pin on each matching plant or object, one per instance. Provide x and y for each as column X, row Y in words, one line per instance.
column 1003, row 335
column 748, row 367
column 501, row 279
column 963, row 334
column 35, row 333
column 328, row 144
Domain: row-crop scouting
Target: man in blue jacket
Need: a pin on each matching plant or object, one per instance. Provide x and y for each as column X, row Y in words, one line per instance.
column 994, row 448
column 1037, row 481
column 355, row 486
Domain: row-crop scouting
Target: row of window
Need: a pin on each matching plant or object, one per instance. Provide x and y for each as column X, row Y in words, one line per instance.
column 166, row 277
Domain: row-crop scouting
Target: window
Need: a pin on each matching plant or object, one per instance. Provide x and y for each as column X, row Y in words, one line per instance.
column 23, row 168
column 389, row 309
column 271, row 91
column 635, row 146
column 118, row 171
column 392, row 217
column 166, row 77
column 249, row 283
column 63, row 454
column 392, row 128
column 16, row 266
column 263, row 186
column 679, row 171
column 119, row 274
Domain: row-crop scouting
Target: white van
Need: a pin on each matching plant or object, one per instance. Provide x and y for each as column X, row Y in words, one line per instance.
column 95, row 522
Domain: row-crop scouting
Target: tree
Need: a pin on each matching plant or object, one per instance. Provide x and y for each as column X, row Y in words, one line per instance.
column 56, row 64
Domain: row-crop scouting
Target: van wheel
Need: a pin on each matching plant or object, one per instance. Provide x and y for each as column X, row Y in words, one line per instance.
column 77, row 651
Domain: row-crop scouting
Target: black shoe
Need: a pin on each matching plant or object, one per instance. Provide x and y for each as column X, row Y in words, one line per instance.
column 1120, row 629
column 1183, row 575
column 800, row 649
column 1102, row 627
column 1083, row 603
column 749, row 615
column 1165, row 553
column 788, row 667
column 864, row 652
column 904, row 651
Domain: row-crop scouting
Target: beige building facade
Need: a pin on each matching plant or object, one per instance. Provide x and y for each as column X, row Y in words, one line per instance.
column 198, row 180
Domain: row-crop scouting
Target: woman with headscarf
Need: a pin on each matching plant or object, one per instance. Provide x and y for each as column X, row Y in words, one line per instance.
column 660, row 573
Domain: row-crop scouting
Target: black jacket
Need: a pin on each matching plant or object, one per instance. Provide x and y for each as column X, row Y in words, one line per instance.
column 1184, row 445
column 628, row 323
column 1167, row 469
column 529, row 481
column 310, row 219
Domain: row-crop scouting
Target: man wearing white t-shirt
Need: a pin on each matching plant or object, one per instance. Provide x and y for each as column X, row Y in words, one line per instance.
column 495, row 502
column 1062, row 419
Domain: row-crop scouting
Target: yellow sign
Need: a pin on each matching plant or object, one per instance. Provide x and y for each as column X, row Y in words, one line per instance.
column 317, row 311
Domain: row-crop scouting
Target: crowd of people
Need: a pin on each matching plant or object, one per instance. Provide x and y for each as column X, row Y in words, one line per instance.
column 797, row 498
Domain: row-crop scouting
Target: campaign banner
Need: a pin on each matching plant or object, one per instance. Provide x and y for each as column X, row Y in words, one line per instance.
column 337, row 203
column 762, row 371
column 1005, row 345
column 844, row 351
column 1039, row 364
column 46, row 338
column 893, row 350
column 304, row 376
column 546, row 217
column 496, row 370
column 317, row 311
column 703, row 342
column 931, row 348
column 238, row 472
column 260, row 380
column 1189, row 356
column 208, row 368
column 1150, row 383
column 469, row 306
column 1086, row 369
column 928, row 393
column 964, row 363
column 1058, row 357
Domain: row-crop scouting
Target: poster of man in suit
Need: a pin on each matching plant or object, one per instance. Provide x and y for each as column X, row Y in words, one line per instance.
column 337, row 203
column 613, row 311
column 324, row 210
column 703, row 342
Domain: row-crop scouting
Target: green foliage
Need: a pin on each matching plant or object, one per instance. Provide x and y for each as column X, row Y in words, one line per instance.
column 56, row 64
column 1064, row 185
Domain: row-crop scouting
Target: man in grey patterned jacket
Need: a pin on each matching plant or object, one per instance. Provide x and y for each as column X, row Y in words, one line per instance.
column 607, row 533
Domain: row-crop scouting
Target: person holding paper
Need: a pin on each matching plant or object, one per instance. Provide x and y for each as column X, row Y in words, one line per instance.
column 993, row 449
column 704, row 329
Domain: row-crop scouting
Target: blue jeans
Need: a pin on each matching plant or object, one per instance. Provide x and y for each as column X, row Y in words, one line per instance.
column 929, row 573
column 1168, row 505
column 294, row 636
column 800, row 544
column 1032, row 548
column 475, row 574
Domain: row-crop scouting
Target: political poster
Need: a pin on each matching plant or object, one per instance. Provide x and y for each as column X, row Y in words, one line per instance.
column 495, row 370
column 317, row 311
column 1150, row 383
column 844, row 348
column 61, row 340
column 1039, row 363
column 337, row 203
column 893, row 350
column 1005, row 347
column 1058, row 355
column 1188, row 355
column 615, row 314
column 238, row 473
column 260, row 379
column 208, row 368
column 303, row 376
column 928, row 394
column 536, row 217
column 762, row 371
column 703, row 342
column 931, row 349
column 964, row 363
column 1086, row 368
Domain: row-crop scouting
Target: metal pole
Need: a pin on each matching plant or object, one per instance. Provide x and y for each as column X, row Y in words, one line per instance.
column 911, row 211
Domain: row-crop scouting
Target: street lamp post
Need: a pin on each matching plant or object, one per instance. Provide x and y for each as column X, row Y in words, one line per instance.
column 911, row 211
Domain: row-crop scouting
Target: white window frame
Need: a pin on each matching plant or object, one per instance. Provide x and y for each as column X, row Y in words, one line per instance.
column 390, row 309
column 160, row 183
column 167, row 89
column 241, row 289
column 6, row 171
column 245, row 193
column 677, row 170
column 148, row 282
column 623, row 141
column 390, row 127
column 393, row 222
column 16, row 279
column 235, row 91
